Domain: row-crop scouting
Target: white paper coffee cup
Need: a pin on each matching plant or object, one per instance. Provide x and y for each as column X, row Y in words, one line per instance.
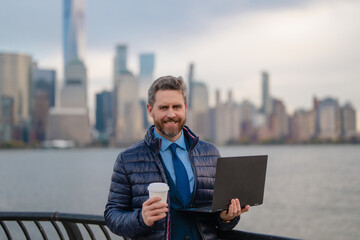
column 158, row 189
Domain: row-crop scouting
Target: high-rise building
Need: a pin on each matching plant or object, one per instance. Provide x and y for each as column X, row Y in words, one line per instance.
column 198, row 115
column 302, row 126
column 201, row 97
column 225, row 121
column 348, row 119
column 40, row 114
column 128, row 117
column 70, row 121
column 6, row 118
column 104, row 122
column 44, row 80
column 146, row 76
column 74, row 92
column 70, row 124
column 129, row 125
column 15, row 80
column 190, row 85
column 279, row 120
column 329, row 114
column 248, row 114
column 147, row 64
column 74, row 31
column 121, row 59
column 266, row 103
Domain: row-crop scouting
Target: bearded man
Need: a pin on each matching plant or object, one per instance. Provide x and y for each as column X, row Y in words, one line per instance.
column 130, row 212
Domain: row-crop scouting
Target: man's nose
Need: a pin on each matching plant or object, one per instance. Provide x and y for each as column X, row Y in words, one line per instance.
column 171, row 113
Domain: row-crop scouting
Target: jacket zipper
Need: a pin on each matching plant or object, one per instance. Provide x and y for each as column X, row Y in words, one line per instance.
column 167, row 232
column 193, row 168
column 195, row 179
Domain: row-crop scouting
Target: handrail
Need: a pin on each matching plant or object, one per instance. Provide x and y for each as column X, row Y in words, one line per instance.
column 68, row 220
column 71, row 221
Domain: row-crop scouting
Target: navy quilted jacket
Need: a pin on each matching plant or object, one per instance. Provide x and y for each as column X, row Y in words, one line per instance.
column 140, row 165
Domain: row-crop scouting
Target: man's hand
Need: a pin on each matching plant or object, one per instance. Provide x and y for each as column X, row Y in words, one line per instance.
column 153, row 210
column 233, row 211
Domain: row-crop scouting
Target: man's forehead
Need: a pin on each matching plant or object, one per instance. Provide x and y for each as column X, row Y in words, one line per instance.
column 169, row 96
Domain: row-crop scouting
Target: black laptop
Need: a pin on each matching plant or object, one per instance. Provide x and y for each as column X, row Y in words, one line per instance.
column 237, row 177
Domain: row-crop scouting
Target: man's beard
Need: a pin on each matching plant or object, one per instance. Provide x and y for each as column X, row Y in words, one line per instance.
column 172, row 132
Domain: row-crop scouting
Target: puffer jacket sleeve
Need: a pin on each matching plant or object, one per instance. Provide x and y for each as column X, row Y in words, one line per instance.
column 222, row 226
column 119, row 215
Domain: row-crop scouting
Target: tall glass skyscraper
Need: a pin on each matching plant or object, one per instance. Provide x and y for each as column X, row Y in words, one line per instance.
column 75, row 78
column 147, row 62
column 70, row 119
column 121, row 60
column 266, row 107
column 74, row 31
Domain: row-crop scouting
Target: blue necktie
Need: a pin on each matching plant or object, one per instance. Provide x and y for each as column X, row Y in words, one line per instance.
column 182, row 179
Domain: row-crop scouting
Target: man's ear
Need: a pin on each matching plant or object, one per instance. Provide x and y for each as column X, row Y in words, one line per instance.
column 149, row 108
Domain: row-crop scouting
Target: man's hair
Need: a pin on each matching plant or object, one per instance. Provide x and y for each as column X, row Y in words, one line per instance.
column 166, row 83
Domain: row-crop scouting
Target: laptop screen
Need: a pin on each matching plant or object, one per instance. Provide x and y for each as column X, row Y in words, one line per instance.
column 239, row 177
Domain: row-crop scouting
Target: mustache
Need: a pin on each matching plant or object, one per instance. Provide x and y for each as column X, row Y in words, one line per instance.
column 170, row 120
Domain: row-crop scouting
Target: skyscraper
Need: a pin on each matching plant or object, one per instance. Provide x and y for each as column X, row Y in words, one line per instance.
column 121, row 59
column 74, row 92
column 266, row 106
column 190, row 85
column 75, row 80
column 128, row 120
column 146, row 77
column 6, row 118
column 71, row 120
column 197, row 116
column 224, row 121
column 74, row 31
column 15, row 79
column 104, row 107
column 279, row 120
column 329, row 115
column 348, row 119
column 44, row 80
column 147, row 62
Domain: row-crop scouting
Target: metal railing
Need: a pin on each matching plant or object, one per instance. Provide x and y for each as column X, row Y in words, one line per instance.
column 59, row 221
column 68, row 226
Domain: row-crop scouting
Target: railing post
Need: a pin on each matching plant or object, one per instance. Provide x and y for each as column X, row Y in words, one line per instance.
column 72, row 230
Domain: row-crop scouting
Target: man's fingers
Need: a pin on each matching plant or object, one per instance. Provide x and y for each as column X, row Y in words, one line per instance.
column 153, row 210
column 157, row 217
column 231, row 209
column 238, row 206
column 152, row 200
column 245, row 209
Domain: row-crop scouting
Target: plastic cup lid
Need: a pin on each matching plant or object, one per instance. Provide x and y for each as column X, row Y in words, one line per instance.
column 158, row 187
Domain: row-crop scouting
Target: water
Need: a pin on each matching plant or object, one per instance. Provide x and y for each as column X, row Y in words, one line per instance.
column 311, row 191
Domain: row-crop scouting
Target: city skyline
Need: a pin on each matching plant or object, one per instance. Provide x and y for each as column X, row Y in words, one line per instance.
column 307, row 47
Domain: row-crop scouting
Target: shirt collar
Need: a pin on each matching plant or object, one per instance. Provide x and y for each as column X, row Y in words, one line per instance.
column 165, row 143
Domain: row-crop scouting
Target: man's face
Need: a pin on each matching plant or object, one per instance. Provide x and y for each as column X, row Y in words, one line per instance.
column 168, row 113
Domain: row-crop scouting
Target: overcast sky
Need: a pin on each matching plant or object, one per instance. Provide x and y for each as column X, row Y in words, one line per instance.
column 307, row 47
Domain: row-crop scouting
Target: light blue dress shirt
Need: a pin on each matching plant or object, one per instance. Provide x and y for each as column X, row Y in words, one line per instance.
column 182, row 153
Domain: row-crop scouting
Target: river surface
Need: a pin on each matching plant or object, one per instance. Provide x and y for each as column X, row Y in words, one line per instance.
column 311, row 191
